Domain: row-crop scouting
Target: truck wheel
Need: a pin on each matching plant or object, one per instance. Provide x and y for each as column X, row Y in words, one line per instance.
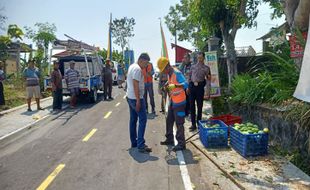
column 94, row 96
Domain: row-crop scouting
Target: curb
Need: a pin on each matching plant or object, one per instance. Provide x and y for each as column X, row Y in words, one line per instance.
column 22, row 106
column 29, row 126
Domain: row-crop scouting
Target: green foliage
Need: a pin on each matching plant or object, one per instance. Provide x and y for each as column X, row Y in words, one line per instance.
column 181, row 19
column 277, row 7
column 44, row 34
column 4, row 45
column 116, row 55
column 271, row 82
column 300, row 112
column 295, row 157
column 122, row 30
column 14, row 32
column 198, row 19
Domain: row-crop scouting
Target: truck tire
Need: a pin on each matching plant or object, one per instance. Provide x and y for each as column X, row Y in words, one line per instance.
column 93, row 96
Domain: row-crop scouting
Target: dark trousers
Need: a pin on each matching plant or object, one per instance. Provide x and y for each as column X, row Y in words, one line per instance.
column 148, row 89
column 57, row 99
column 188, row 107
column 164, row 95
column 2, row 101
column 107, row 91
column 196, row 97
column 177, row 115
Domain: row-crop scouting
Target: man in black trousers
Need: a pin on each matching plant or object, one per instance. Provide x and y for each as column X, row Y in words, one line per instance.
column 199, row 80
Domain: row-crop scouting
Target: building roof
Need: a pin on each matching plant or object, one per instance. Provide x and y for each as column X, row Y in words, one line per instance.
column 284, row 26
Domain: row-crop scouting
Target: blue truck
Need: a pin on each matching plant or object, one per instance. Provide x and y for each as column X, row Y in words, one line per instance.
column 89, row 67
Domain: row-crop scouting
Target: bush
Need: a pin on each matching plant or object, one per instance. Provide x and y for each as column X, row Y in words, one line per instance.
column 271, row 82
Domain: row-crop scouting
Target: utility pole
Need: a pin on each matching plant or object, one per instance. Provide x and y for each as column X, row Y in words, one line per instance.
column 175, row 27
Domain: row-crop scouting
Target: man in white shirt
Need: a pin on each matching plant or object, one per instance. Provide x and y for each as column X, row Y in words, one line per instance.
column 136, row 102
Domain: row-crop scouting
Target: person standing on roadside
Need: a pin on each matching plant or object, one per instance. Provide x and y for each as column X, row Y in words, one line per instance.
column 2, row 78
column 107, row 80
column 135, row 99
column 120, row 75
column 199, row 79
column 56, row 79
column 185, row 69
column 148, row 73
column 31, row 75
column 176, row 111
column 73, row 83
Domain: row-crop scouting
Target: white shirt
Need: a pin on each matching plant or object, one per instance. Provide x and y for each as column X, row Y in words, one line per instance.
column 135, row 73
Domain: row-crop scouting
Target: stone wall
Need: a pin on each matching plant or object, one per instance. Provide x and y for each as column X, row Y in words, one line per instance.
column 286, row 134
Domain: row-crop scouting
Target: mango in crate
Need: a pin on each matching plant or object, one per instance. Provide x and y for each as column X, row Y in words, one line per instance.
column 247, row 128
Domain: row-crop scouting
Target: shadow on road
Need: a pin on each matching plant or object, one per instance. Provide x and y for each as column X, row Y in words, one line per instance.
column 141, row 157
column 171, row 157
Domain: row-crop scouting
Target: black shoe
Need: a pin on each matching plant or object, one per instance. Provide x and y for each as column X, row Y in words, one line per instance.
column 167, row 143
column 154, row 112
column 145, row 149
column 29, row 109
column 192, row 128
column 178, row 147
column 40, row 108
column 111, row 98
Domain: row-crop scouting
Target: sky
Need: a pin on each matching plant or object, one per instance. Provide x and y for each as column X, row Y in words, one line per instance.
column 87, row 20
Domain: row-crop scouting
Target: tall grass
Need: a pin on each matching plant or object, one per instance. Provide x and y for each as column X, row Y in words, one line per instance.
column 273, row 81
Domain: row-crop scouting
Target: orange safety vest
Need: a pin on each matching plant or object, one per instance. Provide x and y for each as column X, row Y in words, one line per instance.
column 147, row 79
column 177, row 95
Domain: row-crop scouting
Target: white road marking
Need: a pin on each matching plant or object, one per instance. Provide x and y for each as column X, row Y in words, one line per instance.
column 184, row 172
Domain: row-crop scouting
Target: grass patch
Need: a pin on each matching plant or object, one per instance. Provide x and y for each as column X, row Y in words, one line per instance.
column 16, row 96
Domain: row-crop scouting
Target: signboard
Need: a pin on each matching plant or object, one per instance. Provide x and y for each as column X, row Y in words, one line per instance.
column 129, row 58
column 211, row 61
column 296, row 49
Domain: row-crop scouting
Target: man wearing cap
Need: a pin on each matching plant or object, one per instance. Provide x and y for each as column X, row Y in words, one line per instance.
column 148, row 73
column 73, row 83
column 176, row 111
column 199, row 80
column 107, row 81
column 135, row 99
column 31, row 76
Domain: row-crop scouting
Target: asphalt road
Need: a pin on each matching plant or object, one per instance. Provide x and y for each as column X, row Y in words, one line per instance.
column 54, row 155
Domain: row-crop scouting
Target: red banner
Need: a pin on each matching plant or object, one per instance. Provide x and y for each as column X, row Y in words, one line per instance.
column 180, row 52
column 296, row 48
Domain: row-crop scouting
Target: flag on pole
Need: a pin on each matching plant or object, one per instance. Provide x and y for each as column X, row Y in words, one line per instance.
column 164, row 51
column 109, row 50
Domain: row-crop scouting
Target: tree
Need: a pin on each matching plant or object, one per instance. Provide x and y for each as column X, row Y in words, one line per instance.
column 43, row 37
column 117, row 56
column 296, row 12
column 122, row 30
column 226, row 15
column 180, row 24
column 13, row 33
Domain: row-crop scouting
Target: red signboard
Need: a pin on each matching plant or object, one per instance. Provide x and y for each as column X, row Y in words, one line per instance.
column 296, row 48
column 180, row 52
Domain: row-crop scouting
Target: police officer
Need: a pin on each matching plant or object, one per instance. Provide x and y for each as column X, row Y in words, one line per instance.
column 199, row 80
column 176, row 111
